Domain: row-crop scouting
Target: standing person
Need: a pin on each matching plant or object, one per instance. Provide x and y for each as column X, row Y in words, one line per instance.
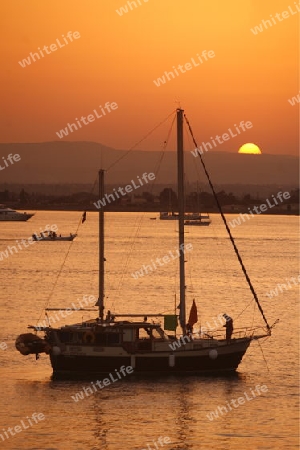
column 229, row 327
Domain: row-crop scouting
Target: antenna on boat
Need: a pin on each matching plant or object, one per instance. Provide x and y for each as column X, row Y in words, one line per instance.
column 180, row 182
column 100, row 301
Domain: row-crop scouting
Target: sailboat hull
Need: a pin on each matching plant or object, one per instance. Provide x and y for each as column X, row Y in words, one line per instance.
column 208, row 360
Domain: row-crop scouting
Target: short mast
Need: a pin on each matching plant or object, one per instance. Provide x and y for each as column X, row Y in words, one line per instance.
column 100, row 302
column 180, row 182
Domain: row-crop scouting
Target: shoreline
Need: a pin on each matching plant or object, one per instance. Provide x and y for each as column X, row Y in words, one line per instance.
column 277, row 211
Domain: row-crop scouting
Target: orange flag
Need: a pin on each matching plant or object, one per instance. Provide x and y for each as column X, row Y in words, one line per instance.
column 193, row 315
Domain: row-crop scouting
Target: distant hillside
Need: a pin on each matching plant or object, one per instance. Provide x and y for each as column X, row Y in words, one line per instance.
column 78, row 162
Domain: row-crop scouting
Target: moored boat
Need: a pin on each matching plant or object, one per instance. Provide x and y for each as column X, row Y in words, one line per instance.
column 52, row 236
column 202, row 221
column 175, row 216
column 103, row 344
column 11, row 215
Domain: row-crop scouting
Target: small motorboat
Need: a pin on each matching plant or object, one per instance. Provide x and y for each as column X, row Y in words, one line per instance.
column 51, row 236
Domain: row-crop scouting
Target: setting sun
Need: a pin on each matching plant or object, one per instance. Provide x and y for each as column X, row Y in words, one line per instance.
column 250, row 149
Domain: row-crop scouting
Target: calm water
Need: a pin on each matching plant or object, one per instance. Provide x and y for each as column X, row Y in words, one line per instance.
column 132, row 413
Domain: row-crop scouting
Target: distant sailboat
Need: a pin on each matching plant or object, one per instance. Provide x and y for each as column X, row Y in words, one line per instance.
column 199, row 219
column 103, row 344
column 202, row 221
column 191, row 218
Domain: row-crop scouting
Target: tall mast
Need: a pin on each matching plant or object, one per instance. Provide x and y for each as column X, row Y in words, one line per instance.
column 100, row 302
column 180, row 182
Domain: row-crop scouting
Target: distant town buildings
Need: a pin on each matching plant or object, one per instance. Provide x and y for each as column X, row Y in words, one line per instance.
column 165, row 200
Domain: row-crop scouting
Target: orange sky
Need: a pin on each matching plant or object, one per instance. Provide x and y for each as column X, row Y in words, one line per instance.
column 117, row 58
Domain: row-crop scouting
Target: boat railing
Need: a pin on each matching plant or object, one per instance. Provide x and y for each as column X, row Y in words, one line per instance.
column 249, row 332
column 238, row 333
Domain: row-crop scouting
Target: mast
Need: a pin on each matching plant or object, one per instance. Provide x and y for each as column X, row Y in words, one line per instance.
column 180, row 182
column 100, row 302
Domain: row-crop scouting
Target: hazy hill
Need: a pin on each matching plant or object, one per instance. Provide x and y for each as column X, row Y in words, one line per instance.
column 78, row 162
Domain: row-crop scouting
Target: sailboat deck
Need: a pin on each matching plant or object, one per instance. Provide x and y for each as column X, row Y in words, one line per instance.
column 125, row 338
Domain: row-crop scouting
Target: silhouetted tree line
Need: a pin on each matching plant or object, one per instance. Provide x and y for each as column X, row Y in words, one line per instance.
column 167, row 199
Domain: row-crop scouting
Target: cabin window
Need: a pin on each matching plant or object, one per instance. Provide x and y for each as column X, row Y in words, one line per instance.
column 65, row 336
column 77, row 337
column 157, row 335
column 100, row 338
column 113, row 338
column 144, row 333
column 128, row 335
column 107, row 338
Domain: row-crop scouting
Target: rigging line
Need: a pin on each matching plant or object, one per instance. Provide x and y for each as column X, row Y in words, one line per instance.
column 164, row 149
column 139, row 142
column 95, row 182
column 189, row 267
column 125, row 265
column 245, row 310
column 228, row 229
column 79, row 224
column 58, row 275
column 186, row 129
column 254, row 310
column 263, row 355
column 156, row 169
column 249, row 304
column 141, row 218
column 215, row 236
column 68, row 251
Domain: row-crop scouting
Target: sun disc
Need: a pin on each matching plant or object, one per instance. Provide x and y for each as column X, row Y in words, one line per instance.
column 250, row 149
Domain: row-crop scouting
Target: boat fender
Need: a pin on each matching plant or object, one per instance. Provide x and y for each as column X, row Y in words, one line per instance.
column 171, row 360
column 56, row 351
column 132, row 361
column 213, row 354
column 89, row 337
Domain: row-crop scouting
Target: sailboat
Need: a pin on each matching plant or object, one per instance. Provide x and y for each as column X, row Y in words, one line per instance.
column 165, row 215
column 200, row 220
column 103, row 344
column 203, row 221
column 190, row 218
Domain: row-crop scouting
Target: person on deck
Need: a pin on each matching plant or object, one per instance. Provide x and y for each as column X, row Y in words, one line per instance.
column 229, row 327
column 189, row 330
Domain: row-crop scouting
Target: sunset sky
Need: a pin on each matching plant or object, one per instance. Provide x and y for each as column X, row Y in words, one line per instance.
column 117, row 57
